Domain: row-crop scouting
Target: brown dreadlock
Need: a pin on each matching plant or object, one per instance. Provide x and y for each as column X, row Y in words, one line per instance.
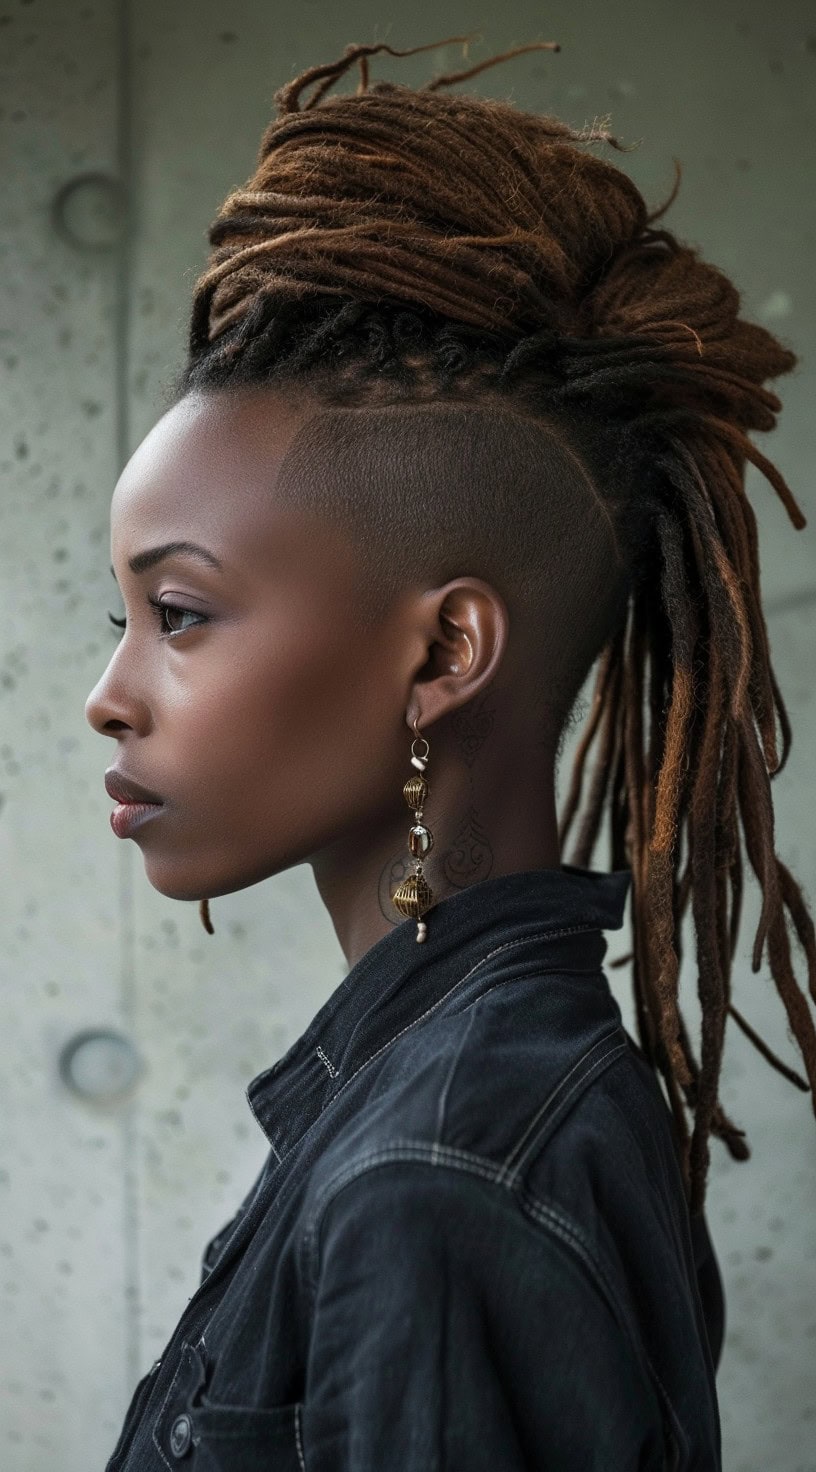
column 399, row 226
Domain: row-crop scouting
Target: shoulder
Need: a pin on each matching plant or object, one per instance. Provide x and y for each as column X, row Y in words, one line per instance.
column 420, row 1227
column 532, row 1175
column 546, row 1163
column 504, row 1093
column 564, row 1129
column 472, row 1077
column 457, row 1307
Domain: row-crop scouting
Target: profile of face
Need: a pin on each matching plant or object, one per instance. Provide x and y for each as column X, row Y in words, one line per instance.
column 246, row 692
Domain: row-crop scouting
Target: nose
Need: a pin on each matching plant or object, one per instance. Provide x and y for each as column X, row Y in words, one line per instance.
column 109, row 709
column 98, row 711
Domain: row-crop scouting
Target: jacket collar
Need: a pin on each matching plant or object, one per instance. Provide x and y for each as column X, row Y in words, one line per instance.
column 397, row 980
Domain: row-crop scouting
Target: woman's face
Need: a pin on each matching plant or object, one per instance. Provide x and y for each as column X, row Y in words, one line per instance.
column 257, row 706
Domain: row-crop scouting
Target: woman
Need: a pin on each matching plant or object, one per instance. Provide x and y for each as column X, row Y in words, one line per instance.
column 457, row 422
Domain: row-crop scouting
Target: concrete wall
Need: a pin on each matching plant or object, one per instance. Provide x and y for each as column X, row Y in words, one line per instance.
column 126, row 1139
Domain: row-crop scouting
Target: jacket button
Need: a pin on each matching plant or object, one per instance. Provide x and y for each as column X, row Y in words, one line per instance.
column 181, row 1434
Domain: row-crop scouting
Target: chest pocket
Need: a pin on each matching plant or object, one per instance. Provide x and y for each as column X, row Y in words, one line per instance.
column 248, row 1439
column 193, row 1431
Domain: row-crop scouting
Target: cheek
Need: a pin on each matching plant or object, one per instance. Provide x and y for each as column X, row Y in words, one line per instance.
column 290, row 730
column 284, row 745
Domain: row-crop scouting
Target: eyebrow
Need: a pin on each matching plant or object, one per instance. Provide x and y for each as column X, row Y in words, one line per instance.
column 141, row 561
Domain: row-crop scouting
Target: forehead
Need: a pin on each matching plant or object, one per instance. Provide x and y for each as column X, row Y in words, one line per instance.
column 208, row 451
column 207, row 472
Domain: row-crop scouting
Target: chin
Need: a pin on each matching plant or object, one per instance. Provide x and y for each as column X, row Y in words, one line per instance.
column 181, row 881
column 186, row 880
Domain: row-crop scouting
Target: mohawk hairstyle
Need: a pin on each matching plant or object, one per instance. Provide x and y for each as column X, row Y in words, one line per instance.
column 404, row 243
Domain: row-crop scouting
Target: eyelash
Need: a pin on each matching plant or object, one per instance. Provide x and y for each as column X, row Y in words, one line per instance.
column 160, row 609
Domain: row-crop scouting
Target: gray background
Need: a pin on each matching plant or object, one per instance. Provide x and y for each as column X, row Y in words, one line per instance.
column 107, row 1200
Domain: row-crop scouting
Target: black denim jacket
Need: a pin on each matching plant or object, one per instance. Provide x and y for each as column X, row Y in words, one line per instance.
column 468, row 1247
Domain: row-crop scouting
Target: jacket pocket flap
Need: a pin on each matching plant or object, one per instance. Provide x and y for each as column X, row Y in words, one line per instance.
column 248, row 1438
column 275, row 1424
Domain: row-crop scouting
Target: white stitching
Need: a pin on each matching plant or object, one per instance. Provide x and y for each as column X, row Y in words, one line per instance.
column 449, row 1155
column 536, row 972
column 400, row 1150
column 524, row 1142
column 299, row 1440
column 546, row 1215
column 579, row 1083
column 155, row 1438
column 322, row 1056
column 508, row 945
column 531, row 1124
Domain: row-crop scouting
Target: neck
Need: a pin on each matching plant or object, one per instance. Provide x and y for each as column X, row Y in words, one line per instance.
column 485, row 821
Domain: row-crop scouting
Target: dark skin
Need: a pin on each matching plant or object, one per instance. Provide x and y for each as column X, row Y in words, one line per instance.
column 279, row 730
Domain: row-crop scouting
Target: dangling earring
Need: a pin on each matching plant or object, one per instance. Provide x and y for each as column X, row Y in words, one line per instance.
column 414, row 895
column 204, row 912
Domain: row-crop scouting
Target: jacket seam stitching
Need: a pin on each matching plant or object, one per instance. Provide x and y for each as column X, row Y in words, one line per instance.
column 299, row 1439
column 533, row 1132
column 531, row 1124
column 161, row 1411
column 548, row 1216
column 540, row 1210
column 538, row 970
column 506, row 946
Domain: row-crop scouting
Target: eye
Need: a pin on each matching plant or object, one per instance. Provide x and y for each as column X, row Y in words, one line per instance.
column 162, row 610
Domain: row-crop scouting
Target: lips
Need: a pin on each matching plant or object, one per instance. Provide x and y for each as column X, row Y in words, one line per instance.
column 124, row 789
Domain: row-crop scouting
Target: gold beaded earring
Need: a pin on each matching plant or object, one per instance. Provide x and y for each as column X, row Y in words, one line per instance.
column 414, row 895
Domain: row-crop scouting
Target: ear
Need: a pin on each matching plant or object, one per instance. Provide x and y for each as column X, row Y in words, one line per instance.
column 463, row 628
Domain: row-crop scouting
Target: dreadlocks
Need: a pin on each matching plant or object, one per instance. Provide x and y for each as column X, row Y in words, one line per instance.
column 403, row 244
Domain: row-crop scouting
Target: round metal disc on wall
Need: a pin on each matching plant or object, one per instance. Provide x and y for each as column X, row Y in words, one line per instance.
column 89, row 211
column 100, row 1065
